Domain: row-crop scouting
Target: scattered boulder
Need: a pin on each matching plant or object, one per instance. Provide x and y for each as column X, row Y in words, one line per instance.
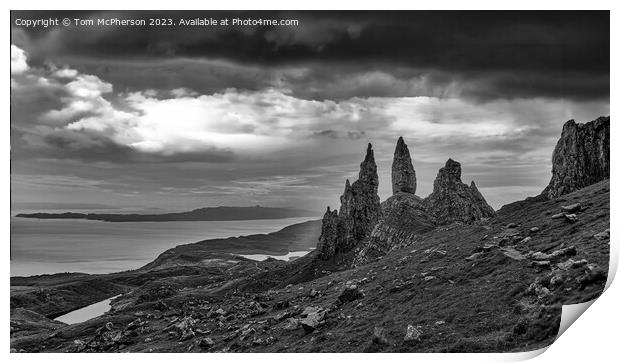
column 542, row 264
column 593, row 275
column 246, row 331
column 580, row 158
column 570, row 218
column 539, row 290
column 572, row 208
column 602, row 235
column 570, row 263
column 291, row 324
column 379, row 336
column 512, row 253
column 350, row 293
column 412, row 334
column 474, row 256
column 312, row 317
column 220, row 311
column 555, row 255
column 185, row 327
column 534, row 229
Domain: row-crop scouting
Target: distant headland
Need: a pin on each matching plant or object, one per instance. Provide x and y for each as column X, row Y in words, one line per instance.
column 200, row 214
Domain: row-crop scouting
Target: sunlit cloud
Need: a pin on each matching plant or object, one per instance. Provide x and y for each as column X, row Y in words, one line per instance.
column 275, row 143
column 18, row 60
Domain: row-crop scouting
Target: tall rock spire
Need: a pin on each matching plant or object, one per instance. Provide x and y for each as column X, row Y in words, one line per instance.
column 360, row 210
column 368, row 169
column 403, row 174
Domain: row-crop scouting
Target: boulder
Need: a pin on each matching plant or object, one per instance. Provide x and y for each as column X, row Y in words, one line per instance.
column 379, row 337
column 570, row 218
column 570, row 263
column 312, row 317
column 572, row 208
column 291, row 324
column 350, row 293
column 602, row 235
column 555, row 255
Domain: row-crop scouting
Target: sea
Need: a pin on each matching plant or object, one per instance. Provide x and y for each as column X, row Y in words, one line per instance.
column 47, row 246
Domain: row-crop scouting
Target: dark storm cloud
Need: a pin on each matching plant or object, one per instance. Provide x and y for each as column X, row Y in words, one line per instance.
column 191, row 116
column 88, row 146
column 501, row 54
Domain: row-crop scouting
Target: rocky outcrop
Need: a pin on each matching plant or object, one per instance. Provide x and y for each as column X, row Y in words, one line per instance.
column 360, row 210
column 580, row 158
column 453, row 201
column 403, row 215
column 403, row 174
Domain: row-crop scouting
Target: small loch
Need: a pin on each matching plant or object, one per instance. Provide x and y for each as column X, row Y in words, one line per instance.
column 87, row 312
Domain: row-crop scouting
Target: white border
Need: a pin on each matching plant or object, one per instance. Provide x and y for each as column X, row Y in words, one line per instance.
column 594, row 335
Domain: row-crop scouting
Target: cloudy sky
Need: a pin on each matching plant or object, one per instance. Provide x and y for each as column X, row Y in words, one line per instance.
column 184, row 117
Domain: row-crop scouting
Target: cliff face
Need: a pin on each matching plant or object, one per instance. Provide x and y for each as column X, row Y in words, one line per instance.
column 580, row 158
column 453, row 201
column 360, row 210
column 403, row 174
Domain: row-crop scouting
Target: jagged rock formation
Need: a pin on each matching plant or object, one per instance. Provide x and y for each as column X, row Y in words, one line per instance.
column 360, row 210
column 453, row 201
column 580, row 158
column 329, row 233
column 403, row 215
column 403, row 174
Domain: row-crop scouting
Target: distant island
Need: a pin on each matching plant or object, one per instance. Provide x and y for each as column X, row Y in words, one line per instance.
column 200, row 214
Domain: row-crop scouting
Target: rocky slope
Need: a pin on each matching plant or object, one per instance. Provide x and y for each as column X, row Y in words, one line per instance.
column 494, row 286
column 580, row 158
column 441, row 274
